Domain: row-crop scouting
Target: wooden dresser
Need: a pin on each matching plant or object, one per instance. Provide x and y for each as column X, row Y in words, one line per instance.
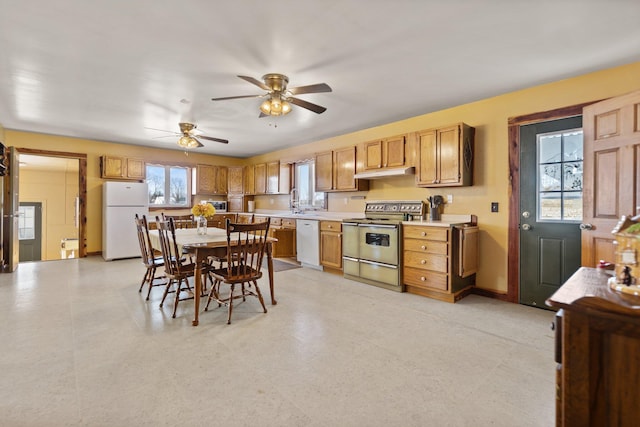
column 597, row 351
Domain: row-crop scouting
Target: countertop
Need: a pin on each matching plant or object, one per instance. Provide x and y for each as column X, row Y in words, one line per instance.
column 447, row 219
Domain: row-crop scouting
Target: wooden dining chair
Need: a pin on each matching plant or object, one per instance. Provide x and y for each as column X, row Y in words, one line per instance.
column 177, row 268
column 245, row 249
column 149, row 258
column 181, row 221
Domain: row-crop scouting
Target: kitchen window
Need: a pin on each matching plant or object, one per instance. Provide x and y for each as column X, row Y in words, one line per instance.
column 305, row 185
column 169, row 186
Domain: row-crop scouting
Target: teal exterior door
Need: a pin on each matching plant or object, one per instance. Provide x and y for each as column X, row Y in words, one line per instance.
column 551, row 166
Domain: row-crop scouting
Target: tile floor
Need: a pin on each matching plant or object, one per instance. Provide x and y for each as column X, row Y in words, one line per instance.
column 81, row 347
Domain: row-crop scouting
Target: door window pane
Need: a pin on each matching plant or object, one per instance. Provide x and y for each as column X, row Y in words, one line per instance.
column 560, row 176
column 27, row 223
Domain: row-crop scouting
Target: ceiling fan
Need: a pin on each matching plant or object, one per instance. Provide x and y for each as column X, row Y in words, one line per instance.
column 279, row 97
column 188, row 138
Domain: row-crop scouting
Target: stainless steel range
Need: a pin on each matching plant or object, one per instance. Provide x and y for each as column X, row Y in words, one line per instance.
column 371, row 245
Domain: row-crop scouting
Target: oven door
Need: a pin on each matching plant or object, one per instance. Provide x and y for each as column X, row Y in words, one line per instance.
column 378, row 243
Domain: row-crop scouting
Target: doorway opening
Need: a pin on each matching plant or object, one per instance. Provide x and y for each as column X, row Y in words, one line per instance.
column 56, row 182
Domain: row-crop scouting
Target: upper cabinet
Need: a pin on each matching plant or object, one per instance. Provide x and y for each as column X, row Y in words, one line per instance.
column 117, row 167
column 211, row 180
column 260, row 178
column 335, row 171
column 445, row 156
column 249, row 180
column 234, row 180
column 278, row 178
column 385, row 153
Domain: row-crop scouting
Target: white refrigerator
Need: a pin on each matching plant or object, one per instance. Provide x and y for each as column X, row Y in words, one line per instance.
column 121, row 201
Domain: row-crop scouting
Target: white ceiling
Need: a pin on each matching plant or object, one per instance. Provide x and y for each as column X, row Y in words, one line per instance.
column 106, row 70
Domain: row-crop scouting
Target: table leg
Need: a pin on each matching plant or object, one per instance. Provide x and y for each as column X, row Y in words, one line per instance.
column 197, row 291
column 270, row 269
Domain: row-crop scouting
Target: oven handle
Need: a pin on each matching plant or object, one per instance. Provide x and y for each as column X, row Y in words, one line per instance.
column 378, row 225
column 348, row 258
column 395, row 267
column 350, row 223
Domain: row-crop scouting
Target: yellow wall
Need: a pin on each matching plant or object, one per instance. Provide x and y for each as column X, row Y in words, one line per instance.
column 488, row 116
column 57, row 192
column 95, row 149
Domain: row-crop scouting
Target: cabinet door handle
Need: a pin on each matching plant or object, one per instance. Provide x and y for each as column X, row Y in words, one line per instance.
column 423, row 234
column 423, row 261
column 422, row 278
column 423, row 247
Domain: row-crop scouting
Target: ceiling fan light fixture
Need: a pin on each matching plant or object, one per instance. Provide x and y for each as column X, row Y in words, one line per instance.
column 187, row 142
column 275, row 107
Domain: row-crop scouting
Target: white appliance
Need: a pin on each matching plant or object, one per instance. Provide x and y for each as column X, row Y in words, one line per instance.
column 121, row 201
column 308, row 243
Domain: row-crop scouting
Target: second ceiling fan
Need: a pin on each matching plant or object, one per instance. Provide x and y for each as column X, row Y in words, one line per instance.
column 279, row 97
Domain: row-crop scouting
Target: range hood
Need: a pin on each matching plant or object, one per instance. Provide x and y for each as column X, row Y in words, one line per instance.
column 385, row 173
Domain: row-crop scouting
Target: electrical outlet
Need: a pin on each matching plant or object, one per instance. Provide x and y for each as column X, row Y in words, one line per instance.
column 346, row 200
column 449, row 198
column 271, row 201
column 494, row 206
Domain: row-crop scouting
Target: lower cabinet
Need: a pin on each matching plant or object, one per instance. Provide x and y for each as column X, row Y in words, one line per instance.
column 284, row 230
column 220, row 220
column 331, row 245
column 435, row 258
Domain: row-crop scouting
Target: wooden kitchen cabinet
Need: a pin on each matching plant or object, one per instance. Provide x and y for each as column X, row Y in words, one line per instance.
column 324, row 171
column 234, row 180
column 597, row 346
column 249, row 180
column 283, row 229
column 445, row 156
column 278, row 178
column 260, row 171
column 385, row 153
column 331, row 245
column 335, row 171
column 211, row 180
column 220, row 220
column 117, row 167
column 435, row 259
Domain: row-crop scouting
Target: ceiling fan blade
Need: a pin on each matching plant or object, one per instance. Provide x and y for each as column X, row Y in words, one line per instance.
column 200, row 144
column 308, row 105
column 210, row 138
column 167, row 136
column 255, row 82
column 235, row 97
column 263, row 115
column 161, row 130
column 317, row 88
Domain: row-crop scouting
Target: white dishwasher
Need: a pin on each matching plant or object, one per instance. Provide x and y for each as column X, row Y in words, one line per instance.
column 308, row 242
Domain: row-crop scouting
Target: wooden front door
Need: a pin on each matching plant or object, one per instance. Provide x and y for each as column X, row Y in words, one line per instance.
column 612, row 168
column 550, row 206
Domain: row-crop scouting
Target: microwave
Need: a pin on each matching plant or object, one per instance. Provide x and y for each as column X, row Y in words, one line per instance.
column 220, row 205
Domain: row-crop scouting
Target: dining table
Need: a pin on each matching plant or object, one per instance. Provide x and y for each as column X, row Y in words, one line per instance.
column 202, row 246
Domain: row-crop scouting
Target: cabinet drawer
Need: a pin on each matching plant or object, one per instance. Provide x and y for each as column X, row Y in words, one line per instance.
column 424, row 261
column 427, row 246
column 276, row 221
column 431, row 233
column 425, row 279
column 288, row 222
column 331, row 226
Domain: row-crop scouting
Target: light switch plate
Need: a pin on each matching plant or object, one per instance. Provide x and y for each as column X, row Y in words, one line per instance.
column 449, row 198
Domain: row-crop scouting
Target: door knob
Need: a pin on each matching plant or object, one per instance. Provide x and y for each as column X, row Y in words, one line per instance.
column 526, row 227
column 586, row 226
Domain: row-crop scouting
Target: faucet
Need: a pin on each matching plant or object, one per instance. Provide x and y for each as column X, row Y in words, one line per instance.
column 293, row 201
